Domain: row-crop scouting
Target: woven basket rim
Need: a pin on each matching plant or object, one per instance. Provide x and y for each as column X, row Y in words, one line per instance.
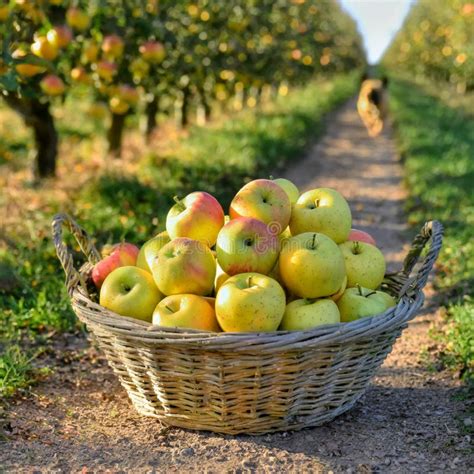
column 101, row 317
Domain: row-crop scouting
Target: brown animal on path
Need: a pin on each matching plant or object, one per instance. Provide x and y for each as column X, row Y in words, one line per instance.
column 372, row 104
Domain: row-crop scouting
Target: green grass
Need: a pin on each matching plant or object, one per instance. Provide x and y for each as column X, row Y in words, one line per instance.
column 436, row 141
column 124, row 206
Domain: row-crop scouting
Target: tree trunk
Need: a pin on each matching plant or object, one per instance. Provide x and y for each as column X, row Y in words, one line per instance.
column 185, row 108
column 115, row 135
column 151, row 111
column 38, row 116
column 46, row 141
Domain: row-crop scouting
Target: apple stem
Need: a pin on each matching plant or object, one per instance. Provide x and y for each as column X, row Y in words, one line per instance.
column 179, row 202
column 370, row 294
column 359, row 289
column 316, row 203
column 168, row 308
column 249, row 281
column 313, row 243
column 356, row 248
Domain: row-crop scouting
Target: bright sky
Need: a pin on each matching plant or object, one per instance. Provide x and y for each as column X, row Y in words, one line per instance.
column 378, row 21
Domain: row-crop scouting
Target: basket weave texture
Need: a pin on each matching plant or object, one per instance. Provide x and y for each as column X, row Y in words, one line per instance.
column 246, row 382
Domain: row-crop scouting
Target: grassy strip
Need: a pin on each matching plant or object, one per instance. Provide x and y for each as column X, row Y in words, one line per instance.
column 132, row 206
column 437, row 142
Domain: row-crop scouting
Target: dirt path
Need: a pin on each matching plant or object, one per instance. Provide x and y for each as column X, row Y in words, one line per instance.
column 80, row 419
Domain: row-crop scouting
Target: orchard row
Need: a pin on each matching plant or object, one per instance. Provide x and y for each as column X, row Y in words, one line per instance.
column 137, row 55
column 436, row 41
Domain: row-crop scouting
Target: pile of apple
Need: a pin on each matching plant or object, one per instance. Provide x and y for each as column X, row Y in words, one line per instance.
column 278, row 261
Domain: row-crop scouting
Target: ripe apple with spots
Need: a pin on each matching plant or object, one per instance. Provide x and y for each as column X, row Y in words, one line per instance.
column 130, row 291
column 246, row 245
column 250, row 302
column 359, row 302
column 303, row 314
column 184, row 266
column 365, row 264
column 186, row 311
column 264, row 200
column 322, row 210
column 312, row 265
column 119, row 255
column 198, row 216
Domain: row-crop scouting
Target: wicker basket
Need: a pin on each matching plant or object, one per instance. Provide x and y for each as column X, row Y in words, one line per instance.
column 246, row 382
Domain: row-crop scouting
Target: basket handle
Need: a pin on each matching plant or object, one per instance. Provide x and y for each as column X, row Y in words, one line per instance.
column 431, row 234
column 64, row 252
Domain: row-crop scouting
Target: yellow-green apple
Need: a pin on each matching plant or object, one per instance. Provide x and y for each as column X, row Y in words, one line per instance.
column 322, row 210
column 149, row 250
column 186, row 311
column 77, row 18
column 198, row 216
column 246, row 245
column 387, row 299
column 59, row 36
column 341, row 290
column 152, row 51
column 365, row 264
column 106, row 70
column 44, row 49
column 312, row 265
column 90, row 52
column 250, row 302
column 358, row 303
column 264, row 200
column 52, row 85
column 118, row 106
column 290, row 189
column 120, row 255
column 221, row 277
column 130, row 291
column 305, row 314
column 79, row 74
column 112, row 46
column 184, row 266
column 361, row 236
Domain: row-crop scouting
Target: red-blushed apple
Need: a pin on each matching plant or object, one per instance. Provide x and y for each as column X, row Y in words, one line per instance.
column 312, row 265
column 198, row 216
column 360, row 302
column 112, row 46
column 290, row 189
column 152, row 51
column 186, row 311
column 59, row 36
column 322, row 210
column 120, row 255
column 106, row 70
column 130, row 291
column 250, row 302
column 365, row 264
column 246, row 245
column 184, row 266
column 264, row 200
column 304, row 314
column 52, row 85
column 361, row 236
